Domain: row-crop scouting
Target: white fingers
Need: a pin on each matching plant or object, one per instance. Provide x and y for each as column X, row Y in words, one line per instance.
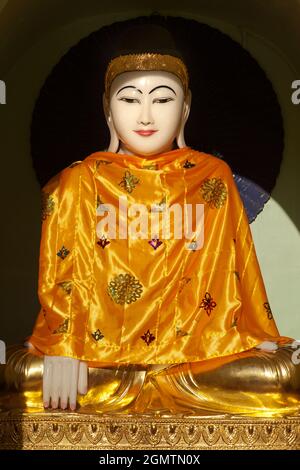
column 55, row 389
column 74, row 383
column 83, row 378
column 60, row 381
column 47, row 374
column 66, row 382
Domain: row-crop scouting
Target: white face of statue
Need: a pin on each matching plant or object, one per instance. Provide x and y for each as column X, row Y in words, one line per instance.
column 147, row 111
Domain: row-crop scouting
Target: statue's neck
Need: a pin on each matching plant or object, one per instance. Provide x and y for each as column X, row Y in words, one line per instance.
column 125, row 150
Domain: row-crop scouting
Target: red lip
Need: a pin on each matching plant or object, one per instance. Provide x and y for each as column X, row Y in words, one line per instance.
column 146, row 133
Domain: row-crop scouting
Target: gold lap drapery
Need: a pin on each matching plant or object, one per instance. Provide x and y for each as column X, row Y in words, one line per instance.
column 150, row 300
column 254, row 382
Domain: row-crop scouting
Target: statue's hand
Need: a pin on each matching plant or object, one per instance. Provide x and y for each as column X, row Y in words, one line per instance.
column 267, row 346
column 63, row 378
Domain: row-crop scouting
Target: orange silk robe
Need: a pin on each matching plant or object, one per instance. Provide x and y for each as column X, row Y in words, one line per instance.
column 111, row 300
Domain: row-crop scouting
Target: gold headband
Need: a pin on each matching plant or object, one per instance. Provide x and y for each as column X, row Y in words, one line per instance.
column 146, row 61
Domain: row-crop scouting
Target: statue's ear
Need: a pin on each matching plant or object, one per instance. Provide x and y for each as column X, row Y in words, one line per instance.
column 187, row 106
column 114, row 139
column 185, row 114
column 106, row 108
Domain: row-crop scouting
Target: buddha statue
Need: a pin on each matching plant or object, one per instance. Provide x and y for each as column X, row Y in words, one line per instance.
column 151, row 295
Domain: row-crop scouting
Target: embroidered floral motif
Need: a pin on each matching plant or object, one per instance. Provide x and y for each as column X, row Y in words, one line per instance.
column 48, row 205
column 148, row 337
column 155, row 242
column 188, row 164
column 66, row 286
column 183, row 282
column 102, row 162
column 208, row 304
column 151, row 166
column 129, row 181
column 97, row 335
column 160, row 207
column 180, row 333
column 125, row 288
column 103, row 242
column 63, row 327
column 214, row 192
column 268, row 310
column 63, row 252
column 74, row 164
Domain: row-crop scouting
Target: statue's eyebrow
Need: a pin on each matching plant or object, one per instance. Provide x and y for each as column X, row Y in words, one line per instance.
column 129, row 86
column 162, row 86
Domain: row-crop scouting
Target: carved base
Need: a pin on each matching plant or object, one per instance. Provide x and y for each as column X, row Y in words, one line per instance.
column 64, row 430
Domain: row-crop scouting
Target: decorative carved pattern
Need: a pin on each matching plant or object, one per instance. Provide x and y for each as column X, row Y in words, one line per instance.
column 62, row 430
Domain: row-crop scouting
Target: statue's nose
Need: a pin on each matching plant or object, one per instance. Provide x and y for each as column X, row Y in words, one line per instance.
column 145, row 118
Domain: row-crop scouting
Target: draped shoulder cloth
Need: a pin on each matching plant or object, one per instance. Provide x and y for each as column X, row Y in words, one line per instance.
column 150, row 300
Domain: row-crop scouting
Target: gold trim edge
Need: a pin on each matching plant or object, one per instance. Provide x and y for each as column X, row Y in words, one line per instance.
column 72, row 431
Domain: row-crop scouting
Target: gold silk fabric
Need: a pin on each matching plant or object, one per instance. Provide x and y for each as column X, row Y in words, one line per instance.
column 150, row 300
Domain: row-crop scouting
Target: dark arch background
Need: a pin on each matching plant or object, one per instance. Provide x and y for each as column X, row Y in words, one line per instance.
column 235, row 111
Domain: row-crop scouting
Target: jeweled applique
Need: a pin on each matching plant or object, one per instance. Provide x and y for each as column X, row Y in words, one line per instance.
column 63, row 252
column 102, row 162
column 208, row 304
column 148, row 337
column 160, row 207
column 181, row 333
column 102, row 208
column 183, row 282
column 125, row 288
column 97, row 335
column 103, row 242
column 48, row 205
column 155, row 242
column 129, row 181
column 66, row 286
column 268, row 310
column 63, row 327
column 98, row 201
column 151, row 166
column 188, row 164
column 191, row 245
column 214, row 192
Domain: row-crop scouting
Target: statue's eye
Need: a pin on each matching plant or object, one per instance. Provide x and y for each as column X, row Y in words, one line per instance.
column 162, row 100
column 129, row 100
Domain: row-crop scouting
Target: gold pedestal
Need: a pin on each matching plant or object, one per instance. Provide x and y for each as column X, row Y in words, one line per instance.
column 65, row 430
